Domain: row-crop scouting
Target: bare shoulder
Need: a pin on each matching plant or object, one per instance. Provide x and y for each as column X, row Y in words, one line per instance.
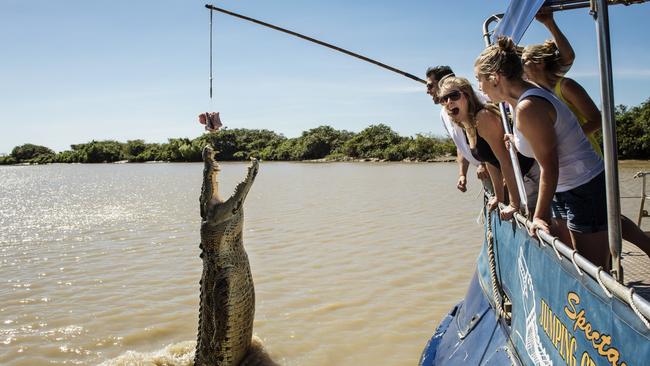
column 535, row 114
column 571, row 87
column 534, row 107
column 486, row 116
column 487, row 120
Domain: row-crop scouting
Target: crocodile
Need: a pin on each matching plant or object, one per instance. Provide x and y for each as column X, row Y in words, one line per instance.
column 227, row 299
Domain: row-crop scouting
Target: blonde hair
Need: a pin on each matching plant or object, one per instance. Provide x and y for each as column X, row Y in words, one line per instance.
column 546, row 53
column 502, row 58
column 474, row 105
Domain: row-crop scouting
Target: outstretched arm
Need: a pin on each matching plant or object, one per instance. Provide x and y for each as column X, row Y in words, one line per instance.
column 567, row 55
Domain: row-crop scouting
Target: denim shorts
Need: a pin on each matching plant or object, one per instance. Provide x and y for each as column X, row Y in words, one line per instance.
column 584, row 207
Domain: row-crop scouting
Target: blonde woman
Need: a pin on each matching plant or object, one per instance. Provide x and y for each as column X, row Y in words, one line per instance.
column 543, row 66
column 572, row 175
column 483, row 131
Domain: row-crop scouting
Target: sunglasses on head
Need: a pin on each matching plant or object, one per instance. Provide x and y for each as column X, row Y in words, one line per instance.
column 453, row 96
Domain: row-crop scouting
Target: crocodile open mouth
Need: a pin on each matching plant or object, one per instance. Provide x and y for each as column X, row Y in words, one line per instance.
column 213, row 207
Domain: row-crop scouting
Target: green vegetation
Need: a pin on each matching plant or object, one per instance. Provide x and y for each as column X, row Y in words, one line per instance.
column 29, row 153
column 633, row 131
column 378, row 142
column 324, row 142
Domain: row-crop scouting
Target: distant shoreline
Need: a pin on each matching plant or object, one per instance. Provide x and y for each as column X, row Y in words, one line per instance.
column 626, row 162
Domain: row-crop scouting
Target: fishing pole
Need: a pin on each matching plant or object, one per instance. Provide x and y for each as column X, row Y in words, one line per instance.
column 295, row 34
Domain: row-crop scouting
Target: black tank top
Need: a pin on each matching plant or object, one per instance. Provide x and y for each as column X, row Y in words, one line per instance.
column 483, row 152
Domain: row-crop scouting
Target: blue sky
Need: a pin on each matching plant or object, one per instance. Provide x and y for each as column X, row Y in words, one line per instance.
column 74, row 71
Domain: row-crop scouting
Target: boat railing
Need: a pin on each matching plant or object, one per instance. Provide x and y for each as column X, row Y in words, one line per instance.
column 557, row 5
column 609, row 285
column 643, row 197
column 599, row 11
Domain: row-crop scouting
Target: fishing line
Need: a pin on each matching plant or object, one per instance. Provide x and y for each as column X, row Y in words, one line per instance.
column 211, row 120
column 211, row 11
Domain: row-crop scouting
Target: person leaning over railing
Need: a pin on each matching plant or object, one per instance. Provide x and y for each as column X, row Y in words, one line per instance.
column 463, row 156
column 483, row 130
column 542, row 65
column 572, row 176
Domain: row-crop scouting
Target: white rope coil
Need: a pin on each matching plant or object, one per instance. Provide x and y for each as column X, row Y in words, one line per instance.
column 573, row 260
column 602, row 285
column 557, row 252
column 636, row 310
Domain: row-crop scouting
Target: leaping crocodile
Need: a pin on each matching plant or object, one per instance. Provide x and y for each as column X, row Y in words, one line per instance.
column 227, row 301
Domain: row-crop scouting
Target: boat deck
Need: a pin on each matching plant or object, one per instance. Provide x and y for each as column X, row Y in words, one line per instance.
column 636, row 269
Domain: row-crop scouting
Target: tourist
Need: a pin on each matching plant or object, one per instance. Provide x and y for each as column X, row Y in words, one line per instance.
column 571, row 173
column 463, row 154
column 541, row 66
column 483, row 131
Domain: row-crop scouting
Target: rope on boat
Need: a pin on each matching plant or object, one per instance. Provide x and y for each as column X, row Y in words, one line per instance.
column 600, row 282
column 573, row 260
column 497, row 291
column 636, row 310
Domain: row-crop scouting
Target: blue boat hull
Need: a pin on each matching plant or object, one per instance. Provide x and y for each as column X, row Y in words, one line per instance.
column 559, row 316
column 469, row 335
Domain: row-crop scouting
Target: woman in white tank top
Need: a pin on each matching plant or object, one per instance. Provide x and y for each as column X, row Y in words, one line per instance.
column 571, row 173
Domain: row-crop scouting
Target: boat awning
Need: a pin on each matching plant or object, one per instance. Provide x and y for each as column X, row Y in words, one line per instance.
column 517, row 18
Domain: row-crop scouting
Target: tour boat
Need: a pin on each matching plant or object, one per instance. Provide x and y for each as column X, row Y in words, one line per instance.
column 536, row 301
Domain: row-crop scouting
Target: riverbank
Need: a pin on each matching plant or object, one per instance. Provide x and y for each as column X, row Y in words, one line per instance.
column 628, row 163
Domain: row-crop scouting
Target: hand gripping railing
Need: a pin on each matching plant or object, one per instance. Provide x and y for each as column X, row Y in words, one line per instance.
column 609, row 285
column 599, row 10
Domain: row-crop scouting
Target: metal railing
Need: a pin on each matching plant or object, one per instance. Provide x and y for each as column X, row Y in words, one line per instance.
column 610, row 286
column 643, row 197
column 523, row 198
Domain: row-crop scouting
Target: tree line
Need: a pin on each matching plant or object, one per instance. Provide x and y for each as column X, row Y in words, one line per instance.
column 324, row 142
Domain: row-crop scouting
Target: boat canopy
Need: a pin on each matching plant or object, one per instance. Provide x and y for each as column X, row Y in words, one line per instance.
column 520, row 13
column 517, row 18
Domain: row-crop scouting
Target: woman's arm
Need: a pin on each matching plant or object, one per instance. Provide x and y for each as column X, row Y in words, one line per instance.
column 567, row 55
column 497, row 184
column 490, row 128
column 463, row 164
column 575, row 94
column 535, row 120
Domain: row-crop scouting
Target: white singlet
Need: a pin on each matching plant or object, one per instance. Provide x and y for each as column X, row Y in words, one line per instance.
column 578, row 162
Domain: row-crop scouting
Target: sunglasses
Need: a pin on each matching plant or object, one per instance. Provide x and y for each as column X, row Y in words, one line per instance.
column 453, row 96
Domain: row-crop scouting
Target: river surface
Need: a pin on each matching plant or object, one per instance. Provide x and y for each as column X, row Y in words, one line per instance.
column 353, row 263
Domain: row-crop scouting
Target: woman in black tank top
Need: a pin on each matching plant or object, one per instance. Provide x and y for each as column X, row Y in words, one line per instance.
column 484, row 133
column 483, row 153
